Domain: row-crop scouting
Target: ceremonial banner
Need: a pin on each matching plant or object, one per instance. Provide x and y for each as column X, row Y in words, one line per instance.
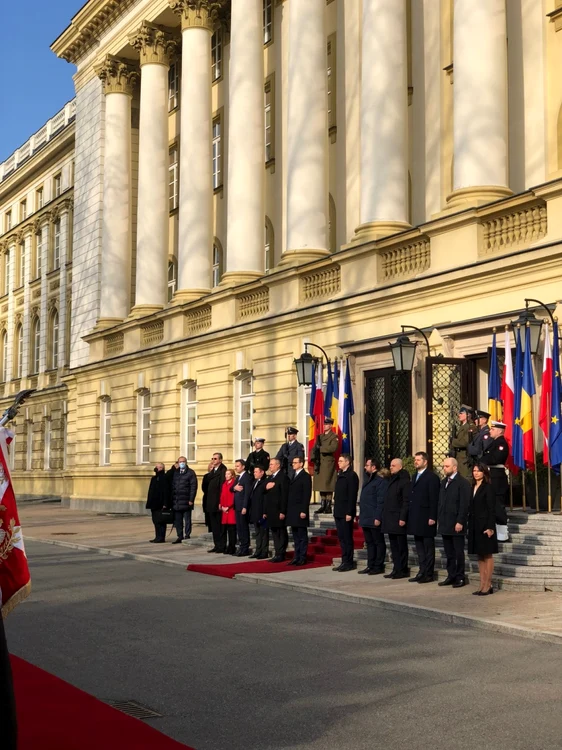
column 348, row 411
column 518, row 460
column 545, row 407
column 526, row 412
column 15, row 582
column 494, row 387
column 555, row 441
column 508, row 397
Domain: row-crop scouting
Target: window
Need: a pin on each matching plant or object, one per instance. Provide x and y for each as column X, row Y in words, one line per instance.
column 331, row 82
column 56, row 245
column 47, row 445
column 35, row 345
column 39, row 199
column 23, row 210
column 4, row 356
column 28, row 445
column 269, row 118
column 57, row 185
column 105, row 457
column 216, row 55
column 6, row 273
column 12, row 448
column 173, row 179
column 217, row 174
column 172, row 279
column 38, row 253
column 268, row 155
column 54, row 341
column 18, row 354
column 191, row 423
column 8, row 221
column 245, row 415
column 173, row 86
column 217, row 262
column 269, row 260
column 332, row 235
column 267, row 21
column 21, row 265
column 144, row 428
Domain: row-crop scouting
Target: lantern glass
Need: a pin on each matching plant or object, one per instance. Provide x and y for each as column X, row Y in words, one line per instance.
column 403, row 354
column 527, row 316
column 304, row 365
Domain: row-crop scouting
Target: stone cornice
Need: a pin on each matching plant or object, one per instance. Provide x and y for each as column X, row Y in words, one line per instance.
column 156, row 44
column 202, row 14
column 117, row 76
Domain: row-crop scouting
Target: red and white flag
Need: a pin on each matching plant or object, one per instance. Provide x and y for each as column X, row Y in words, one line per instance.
column 545, row 406
column 507, row 396
column 15, row 581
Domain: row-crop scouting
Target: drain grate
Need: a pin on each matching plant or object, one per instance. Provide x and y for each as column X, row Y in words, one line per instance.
column 137, row 710
column 64, row 533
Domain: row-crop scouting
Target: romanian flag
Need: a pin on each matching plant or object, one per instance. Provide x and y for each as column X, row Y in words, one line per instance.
column 545, row 407
column 518, row 460
column 311, row 423
column 555, row 438
column 316, row 427
column 494, row 387
column 526, row 409
column 348, row 411
column 507, row 397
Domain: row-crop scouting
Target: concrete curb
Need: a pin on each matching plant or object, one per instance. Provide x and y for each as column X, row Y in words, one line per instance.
column 413, row 609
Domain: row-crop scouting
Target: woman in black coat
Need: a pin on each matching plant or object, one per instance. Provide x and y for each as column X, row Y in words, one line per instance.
column 482, row 539
column 158, row 498
column 395, row 518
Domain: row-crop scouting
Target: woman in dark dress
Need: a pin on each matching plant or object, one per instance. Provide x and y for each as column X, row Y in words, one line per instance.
column 482, row 540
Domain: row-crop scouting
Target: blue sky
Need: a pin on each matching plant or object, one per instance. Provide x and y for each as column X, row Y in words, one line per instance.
column 34, row 83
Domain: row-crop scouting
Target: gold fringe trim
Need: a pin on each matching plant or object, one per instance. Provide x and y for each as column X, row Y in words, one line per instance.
column 16, row 599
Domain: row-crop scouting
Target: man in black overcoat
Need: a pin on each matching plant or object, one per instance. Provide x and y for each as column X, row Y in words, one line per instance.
column 242, row 490
column 275, row 509
column 454, row 501
column 395, row 517
column 345, row 510
column 298, row 518
column 183, row 487
column 422, row 516
column 257, row 494
column 159, row 497
column 211, row 486
column 495, row 455
column 257, row 457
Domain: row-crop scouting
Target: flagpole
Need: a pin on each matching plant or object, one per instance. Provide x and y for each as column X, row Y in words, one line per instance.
column 523, row 482
column 510, row 491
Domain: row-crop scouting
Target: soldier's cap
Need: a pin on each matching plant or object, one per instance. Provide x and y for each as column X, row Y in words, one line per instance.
column 496, row 423
column 292, row 431
column 328, row 420
column 467, row 409
column 259, row 440
column 479, row 413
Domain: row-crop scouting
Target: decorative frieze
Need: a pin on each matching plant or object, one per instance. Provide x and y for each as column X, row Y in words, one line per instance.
column 323, row 283
column 54, row 285
column 513, row 229
column 196, row 13
column 198, row 321
column 36, row 293
column 155, row 44
column 117, row 76
column 19, row 301
column 114, row 344
column 152, row 333
column 406, row 260
column 253, row 304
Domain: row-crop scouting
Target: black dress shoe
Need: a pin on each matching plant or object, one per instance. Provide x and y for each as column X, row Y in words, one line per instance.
column 209, row 551
column 376, row 571
column 253, row 556
column 399, row 575
column 447, row 582
column 278, row 560
column 390, row 575
column 219, row 552
column 345, row 568
column 152, row 541
column 301, row 562
column 365, row 571
column 415, row 579
column 292, row 562
column 337, row 568
column 459, row 584
column 425, row 579
column 486, row 593
column 159, row 541
column 177, row 541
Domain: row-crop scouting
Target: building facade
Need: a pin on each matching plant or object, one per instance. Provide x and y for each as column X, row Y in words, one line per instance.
column 254, row 175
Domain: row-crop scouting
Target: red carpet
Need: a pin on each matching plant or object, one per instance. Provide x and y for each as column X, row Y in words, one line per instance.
column 54, row 715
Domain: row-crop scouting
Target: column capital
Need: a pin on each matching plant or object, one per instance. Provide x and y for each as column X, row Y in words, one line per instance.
column 201, row 14
column 156, row 44
column 118, row 76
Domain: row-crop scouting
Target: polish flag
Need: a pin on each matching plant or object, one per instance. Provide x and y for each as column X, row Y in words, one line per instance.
column 546, row 394
column 507, row 396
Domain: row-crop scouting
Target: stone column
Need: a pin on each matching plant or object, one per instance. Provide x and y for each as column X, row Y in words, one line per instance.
column 155, row 46
column 384, row 120
column 196, row 180
column 246, row 158
column 307, row 134
column 479, row 103
column 28, row 240
column 118, row 79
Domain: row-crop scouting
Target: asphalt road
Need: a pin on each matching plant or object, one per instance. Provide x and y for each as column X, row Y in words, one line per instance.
column 235, row 666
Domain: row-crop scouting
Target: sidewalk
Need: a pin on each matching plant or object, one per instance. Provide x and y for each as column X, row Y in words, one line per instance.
column 533, row 615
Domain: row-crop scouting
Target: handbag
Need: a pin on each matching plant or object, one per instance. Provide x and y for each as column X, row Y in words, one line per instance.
column 166, row 516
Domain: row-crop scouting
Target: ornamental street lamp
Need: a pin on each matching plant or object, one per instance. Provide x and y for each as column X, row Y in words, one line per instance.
column 305, row 364
column 527, row 317
column 404, row 351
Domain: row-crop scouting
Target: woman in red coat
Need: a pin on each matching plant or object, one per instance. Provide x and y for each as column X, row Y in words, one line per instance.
column 228, row 513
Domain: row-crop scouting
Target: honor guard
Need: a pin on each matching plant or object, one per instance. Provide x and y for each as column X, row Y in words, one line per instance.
column 258, row 457
column 289, row 450
column 481, row 438
column 495, row 456
column 465, row 433
column 325, row 470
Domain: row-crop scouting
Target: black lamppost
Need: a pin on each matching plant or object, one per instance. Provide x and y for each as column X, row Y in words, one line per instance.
column 305, row 364
column 528, row 317
column 404, row 351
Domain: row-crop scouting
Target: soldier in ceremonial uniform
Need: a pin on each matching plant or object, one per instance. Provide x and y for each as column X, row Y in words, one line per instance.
column 289, row 450
column 258, row 457
column 480, row 440
column 325, row 470
column 495, row 455
column 459, row 444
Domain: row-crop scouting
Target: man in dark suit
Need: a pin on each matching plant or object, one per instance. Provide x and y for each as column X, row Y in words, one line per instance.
column 275, row 509
column 211, row 486
column 345, row 509
column 289, row 450
column 454, row 501
column 257, row 457
column 256, row 514
column 422, row 516
column 298, row 518
column 242, row 490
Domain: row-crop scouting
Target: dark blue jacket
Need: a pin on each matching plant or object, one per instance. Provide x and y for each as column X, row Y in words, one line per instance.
column 371, row 501
column 183, row 488
column 424, row 498
column 242, row 497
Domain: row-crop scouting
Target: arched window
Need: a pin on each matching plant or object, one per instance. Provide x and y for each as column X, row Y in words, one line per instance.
column 217, row 262
column 269, row 257
column 4, row 356
column 18, row 353
column 35, row 345
column 172, row 278
column 54, row 341
column 332, row 227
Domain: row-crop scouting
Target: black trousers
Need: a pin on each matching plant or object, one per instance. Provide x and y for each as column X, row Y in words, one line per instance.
column 159, row 528
column 219, row 530
column 280, row 540
column 376, row 546
column 454, row 550
column 8, row 721
column 230, row 531
column 399, row 549
column 181, row 518
column 345, row 536
column 243, row 530
column 425, row 547
column 262, row 540
column 300, row 539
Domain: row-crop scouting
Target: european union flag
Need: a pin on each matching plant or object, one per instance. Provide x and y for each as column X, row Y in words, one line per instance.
column 494, row 384
column 555, row 436
column 348, row 411
column 517, row 446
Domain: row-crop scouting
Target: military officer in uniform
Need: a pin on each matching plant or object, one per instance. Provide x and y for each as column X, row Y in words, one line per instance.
column 495, row 456
column 325, row 470
column 258, row 457
column 479, row 441
column 289, row 450
column 459, row 444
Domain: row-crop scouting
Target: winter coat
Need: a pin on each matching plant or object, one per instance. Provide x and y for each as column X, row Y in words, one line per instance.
column 424, row 498
column 371, row 500
column 184, row 488
column 482, row 516
column 325, row 480
column 396, row 503
column 300, row 492
column 345, row 494
column 257, row 493
column 454, row 501
column 227, row 501
column 286, row 453
column 276, row 499
column 257, row 458
column 159, row 492
column 211, row 486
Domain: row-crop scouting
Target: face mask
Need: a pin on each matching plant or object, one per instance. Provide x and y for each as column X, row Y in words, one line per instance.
column 182, row 464
column 156, row 470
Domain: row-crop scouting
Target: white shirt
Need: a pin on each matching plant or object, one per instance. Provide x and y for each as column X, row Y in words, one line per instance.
column 297, row 472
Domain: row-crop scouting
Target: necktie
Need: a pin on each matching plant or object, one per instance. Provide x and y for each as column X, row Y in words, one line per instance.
column 449, row 480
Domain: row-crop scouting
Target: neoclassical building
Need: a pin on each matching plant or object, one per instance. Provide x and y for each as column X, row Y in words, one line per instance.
column 246, row 177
